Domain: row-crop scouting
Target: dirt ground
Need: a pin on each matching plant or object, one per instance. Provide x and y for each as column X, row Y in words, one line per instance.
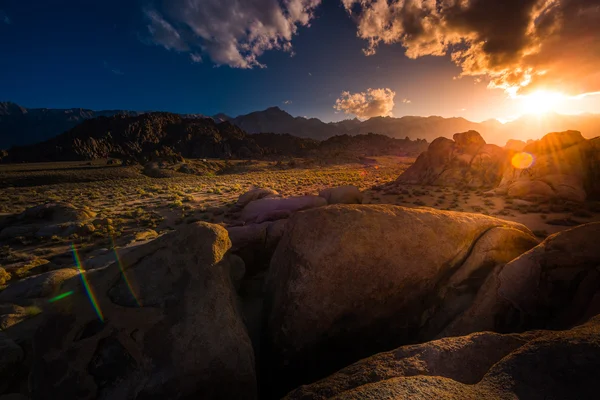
column 137, row 208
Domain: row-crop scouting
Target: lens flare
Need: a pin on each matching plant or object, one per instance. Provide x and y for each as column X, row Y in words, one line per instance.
column 120, row 264
column 60, row 297
column 86, row 284
column 522, row 160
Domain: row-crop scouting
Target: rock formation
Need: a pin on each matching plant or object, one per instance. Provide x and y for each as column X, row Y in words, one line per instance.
column 531, row 365
column 47, row 220
column 170, row 329
column 562, row 167
column 342, row 195
column 465, row 161
column 348, row 281
column 553, row 286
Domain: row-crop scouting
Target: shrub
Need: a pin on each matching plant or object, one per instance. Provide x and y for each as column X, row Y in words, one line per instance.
column 4, row 276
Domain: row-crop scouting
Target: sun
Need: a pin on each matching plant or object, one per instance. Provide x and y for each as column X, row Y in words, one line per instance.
column 541, row 102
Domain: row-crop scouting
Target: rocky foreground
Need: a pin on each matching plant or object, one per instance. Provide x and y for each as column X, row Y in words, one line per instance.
column 318, row 297
column 185, row 315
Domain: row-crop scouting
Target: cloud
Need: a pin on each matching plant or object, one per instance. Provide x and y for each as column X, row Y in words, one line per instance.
column 372, row 103
column 518, row 45
column 287, row 102
column 229, row 32
column 197, row 58
column 406, row 101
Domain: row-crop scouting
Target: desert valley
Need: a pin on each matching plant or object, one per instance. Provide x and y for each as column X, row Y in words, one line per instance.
column 300, row 200
column 284, row 259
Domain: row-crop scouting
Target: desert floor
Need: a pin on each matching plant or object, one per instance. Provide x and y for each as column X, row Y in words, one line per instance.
column 133, row 208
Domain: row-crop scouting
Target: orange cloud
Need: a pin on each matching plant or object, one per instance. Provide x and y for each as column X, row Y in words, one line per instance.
column 372, row 103
column 519, row 45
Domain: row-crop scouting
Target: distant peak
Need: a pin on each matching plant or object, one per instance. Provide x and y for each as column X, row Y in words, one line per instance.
column 275, row 109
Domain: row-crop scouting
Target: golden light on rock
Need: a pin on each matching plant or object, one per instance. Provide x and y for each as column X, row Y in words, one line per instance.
column 522, row 160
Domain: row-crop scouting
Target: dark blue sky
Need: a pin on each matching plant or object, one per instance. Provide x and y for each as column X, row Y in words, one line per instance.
column 98, row 55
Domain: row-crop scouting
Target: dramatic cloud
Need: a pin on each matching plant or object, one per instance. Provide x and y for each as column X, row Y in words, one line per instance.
column 230, row 32
column 520, row 45
column 372, row 103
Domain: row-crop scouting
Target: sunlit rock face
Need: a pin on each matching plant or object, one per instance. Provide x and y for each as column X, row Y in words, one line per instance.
column 347, row 281
column 465, row 161
column 170, row 330
column 562, row 165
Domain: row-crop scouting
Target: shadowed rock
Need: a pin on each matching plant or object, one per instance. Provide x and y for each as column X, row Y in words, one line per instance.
column 348, row 281
column 171, row 331
column 465, row 161
column 531, row 365
column 553, row 286
column 563, row 167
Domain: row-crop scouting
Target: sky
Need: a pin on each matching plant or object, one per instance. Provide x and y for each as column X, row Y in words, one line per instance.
column 330, row 59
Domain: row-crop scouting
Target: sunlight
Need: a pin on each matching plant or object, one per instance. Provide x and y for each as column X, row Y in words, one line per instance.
column 541, row 102
column 522, row 160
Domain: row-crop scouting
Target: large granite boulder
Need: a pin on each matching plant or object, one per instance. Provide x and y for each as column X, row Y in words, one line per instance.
column 561, row 165
column 348, row 194
column 255, row 194
column 553, row 286
column 348, row 281
column 166, row 325
column 465, row 161
column 269, row 206
column 531, row 365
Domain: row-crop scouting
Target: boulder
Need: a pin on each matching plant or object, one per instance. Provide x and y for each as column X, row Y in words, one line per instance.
column 166, row 325
column 11, row 356
column 254, row 194
column 38, row 286
column 528, row 189
column 553, row 286
column 563, row 167
column 516, row 145
column 342, row 195
column 48, row 220
column 258, row 209
column 347, row 281
column 465, row 161
column 55, row 213
column 470, row 139
column 531, row 365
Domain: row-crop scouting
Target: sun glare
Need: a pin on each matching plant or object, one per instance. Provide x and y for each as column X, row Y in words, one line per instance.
column 541, row 102
column 522, row 160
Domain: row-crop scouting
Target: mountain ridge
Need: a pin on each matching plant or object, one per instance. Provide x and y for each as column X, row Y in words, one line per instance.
column 21, row 126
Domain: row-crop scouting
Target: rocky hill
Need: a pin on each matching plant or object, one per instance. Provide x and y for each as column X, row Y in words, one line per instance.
column 156, row 136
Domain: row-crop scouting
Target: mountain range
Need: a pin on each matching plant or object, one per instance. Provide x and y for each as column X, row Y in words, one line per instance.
column 169, row 137
column 21, row 126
